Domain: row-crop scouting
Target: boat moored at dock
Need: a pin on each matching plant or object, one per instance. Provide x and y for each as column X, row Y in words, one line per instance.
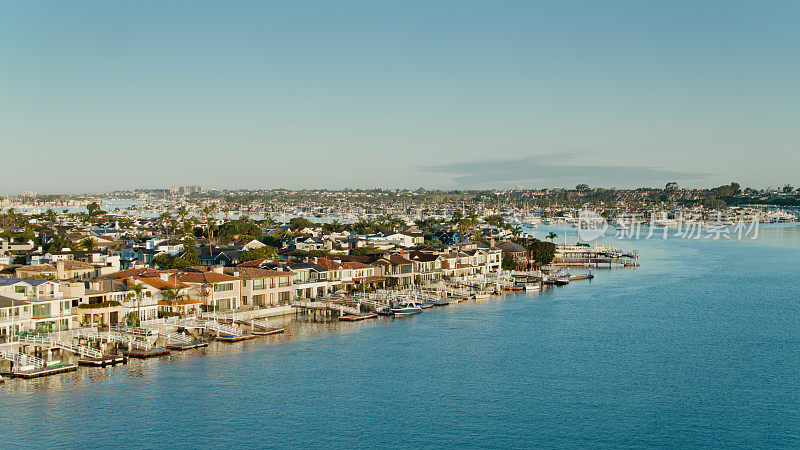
column 407, row 307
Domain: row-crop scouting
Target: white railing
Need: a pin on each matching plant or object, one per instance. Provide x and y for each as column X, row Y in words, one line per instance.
column 111, row 336
column 222, row 328
column 22, row 359
column 136, row 331
column 176, row 337
column 326, row 305
column 80, row 350
column 211, row 325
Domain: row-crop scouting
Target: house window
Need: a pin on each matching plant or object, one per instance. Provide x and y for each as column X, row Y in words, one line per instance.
column 223, row 287
column 258, row 284
column 41, row 310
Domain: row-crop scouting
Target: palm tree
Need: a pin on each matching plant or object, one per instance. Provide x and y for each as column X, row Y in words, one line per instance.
column 182, row 213
column 551, row 236
column 207, row 212
column 88, row 244
column 136, row 291
column 188, row 226
column 164, row 217
column 205, row 291
column 171, row 296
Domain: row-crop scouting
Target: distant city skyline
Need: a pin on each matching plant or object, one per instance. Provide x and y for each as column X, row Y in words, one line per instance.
column 98, row 96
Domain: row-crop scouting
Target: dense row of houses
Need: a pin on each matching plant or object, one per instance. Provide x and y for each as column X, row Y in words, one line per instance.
column 75, row 296
column 117, row 281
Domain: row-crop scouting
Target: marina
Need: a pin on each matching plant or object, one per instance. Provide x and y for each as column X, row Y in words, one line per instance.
column 101, row 348
column 593, row 340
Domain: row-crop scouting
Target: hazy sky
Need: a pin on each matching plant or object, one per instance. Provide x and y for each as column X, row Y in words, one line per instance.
column 98, row 95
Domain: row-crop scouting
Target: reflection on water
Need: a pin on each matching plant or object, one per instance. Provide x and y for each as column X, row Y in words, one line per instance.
column 296, row 328
column 698, row 346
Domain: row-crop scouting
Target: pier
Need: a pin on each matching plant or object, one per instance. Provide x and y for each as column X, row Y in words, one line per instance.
column 599, row 256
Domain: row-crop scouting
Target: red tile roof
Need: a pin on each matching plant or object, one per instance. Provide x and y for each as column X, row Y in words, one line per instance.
column 141, row 272
column 205, row 277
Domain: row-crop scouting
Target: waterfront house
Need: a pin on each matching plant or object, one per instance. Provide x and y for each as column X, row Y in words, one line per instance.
column 516, row 251
column 427, row 265
column 263, row 288
column 46, row 309
column 397, row 268
column 15, row 317
column 218, row 291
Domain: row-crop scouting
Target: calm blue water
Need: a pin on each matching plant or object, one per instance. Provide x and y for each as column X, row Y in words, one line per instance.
column 698, row 347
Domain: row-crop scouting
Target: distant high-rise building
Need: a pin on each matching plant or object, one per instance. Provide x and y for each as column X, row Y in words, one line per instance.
column 184, row 190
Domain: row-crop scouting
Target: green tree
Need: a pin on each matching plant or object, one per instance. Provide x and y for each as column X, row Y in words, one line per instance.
column 495, row 220
column 508, row 262
column 94, row 209
column 183, row 213
column 88, row 244
column 190, row 256
column 58, row 242
column 272, row 241
column 333, row 226
column 541, row 252
column 365, row 251
column 258, row 253
column 136, row 292
column 297, row 223
column 164, row 261
column 172, row 296
column 27, row 235
column 238, row 228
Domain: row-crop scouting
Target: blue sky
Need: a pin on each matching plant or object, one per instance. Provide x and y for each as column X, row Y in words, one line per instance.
column 98, row 95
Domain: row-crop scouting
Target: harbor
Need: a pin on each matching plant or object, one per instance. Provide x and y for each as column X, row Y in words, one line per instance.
column 589, row 339
column 33, row 356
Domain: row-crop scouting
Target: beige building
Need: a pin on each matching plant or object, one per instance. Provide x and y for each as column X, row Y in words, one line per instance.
column 263, row 288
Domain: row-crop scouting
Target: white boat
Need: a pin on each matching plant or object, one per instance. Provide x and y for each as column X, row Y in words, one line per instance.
column 407, row 307
column 532, row 286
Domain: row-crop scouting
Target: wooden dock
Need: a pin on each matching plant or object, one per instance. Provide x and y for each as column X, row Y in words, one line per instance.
column 229, row 338
column 42, row 372
column 105, row 360
column 356, row 318
column 189, row 346
column 143, row 354
column 268, row 331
